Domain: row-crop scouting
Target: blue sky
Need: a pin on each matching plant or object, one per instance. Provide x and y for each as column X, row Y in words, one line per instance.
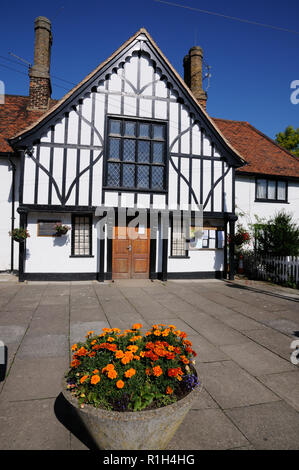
column 252, row 66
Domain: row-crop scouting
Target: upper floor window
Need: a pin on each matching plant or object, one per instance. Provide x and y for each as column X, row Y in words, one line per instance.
column 271, row 190
column 136, row 155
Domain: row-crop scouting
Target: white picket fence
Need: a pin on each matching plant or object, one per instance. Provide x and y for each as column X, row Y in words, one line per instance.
column 278, row 269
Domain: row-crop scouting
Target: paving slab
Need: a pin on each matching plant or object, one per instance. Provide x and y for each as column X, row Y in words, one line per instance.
column 31, row 425
column 284, row 384
column 12, row 333
column 230, row 386
column 270, row 426
column 273, row 340
column 206, row 351
column 44, row 346
column 34, row 378
column 256, row 359
column 207, row 430
column 285, row 326
column 78, row 330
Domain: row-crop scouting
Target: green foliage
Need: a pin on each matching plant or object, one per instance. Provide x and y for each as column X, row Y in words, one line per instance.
column 279, row 236
column 289, row 139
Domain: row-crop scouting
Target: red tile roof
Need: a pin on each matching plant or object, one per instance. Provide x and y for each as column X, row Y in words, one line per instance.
column 14, row 117
column 263, row 155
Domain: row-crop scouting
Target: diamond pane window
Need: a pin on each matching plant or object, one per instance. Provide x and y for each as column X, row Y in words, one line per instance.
column 157, row 177
column 113, row 177
column 129, row 150
column 115, row 127
column 129, row 176
column 143, row 176
column 157, row 152
column 114, row 149
column 143, row 151
column 158, row 132
column 144, row 130
column 136, row 154
column 130, row 128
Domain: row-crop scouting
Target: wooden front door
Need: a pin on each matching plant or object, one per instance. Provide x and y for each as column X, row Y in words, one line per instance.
column 130, row 253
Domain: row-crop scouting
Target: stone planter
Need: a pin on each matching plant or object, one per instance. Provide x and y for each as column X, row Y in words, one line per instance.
column 140, row 430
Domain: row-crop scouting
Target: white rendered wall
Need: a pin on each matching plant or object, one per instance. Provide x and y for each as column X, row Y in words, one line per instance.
column 5, row 211
column 245, row 202
column 52, row 254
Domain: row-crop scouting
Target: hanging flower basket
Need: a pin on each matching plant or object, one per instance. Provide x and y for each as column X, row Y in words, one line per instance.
column 19, row 234
column 61, row 229
column 132, row 391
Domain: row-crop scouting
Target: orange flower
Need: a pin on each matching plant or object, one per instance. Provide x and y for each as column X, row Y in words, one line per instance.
column 89, row 333
column 120, row 384
column 110, row 339
column 157, row 332
column 142, row 353
column 95, row 371
column 95, row 379
column 166, row 332
column 108, row 368
column 157, row 371
column 135, row 338
column 130, row 372
column 136, row 326
column 92, row 354
column 183, row 335
column 148, row 371
column 170, row 348
column 119, row 354
column 81, row 352
column 94, row 341
column 75, row 363
column 132, row 348
column 169, row 390
column 185, row 360
column 83, row 378
column 127, row 357
column 74, row 347
column 137, row 358
column 112, row 374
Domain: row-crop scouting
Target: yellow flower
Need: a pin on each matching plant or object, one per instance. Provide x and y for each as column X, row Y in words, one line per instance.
column 157, row 332
column 110, row 339
column 165, row 332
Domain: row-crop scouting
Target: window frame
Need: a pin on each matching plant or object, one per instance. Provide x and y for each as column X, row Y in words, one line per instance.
column 90, row 217
column 266, row 199
column 186, row 255
column 136, row 138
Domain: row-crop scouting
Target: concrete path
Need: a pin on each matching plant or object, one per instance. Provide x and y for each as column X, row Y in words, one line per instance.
column 242, row 334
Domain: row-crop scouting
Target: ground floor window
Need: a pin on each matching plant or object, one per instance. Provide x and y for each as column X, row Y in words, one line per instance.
column 271, row 190
column 81, row 235
column 178, row 238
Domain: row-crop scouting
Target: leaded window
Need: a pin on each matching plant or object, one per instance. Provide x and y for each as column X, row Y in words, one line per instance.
column 136, row 155
column 81, row 235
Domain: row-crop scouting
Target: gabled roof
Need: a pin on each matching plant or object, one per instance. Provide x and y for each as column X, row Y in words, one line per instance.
column 14, row 117
column 263, row 155
column 106, row 67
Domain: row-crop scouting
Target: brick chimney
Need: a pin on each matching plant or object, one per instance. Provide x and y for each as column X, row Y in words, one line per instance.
column 193, row 74
column 40, row 83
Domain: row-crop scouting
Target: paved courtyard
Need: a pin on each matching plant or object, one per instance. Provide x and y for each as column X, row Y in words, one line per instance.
column 242, row 333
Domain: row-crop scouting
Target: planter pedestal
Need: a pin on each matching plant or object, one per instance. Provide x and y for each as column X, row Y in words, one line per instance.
column 141, row 430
